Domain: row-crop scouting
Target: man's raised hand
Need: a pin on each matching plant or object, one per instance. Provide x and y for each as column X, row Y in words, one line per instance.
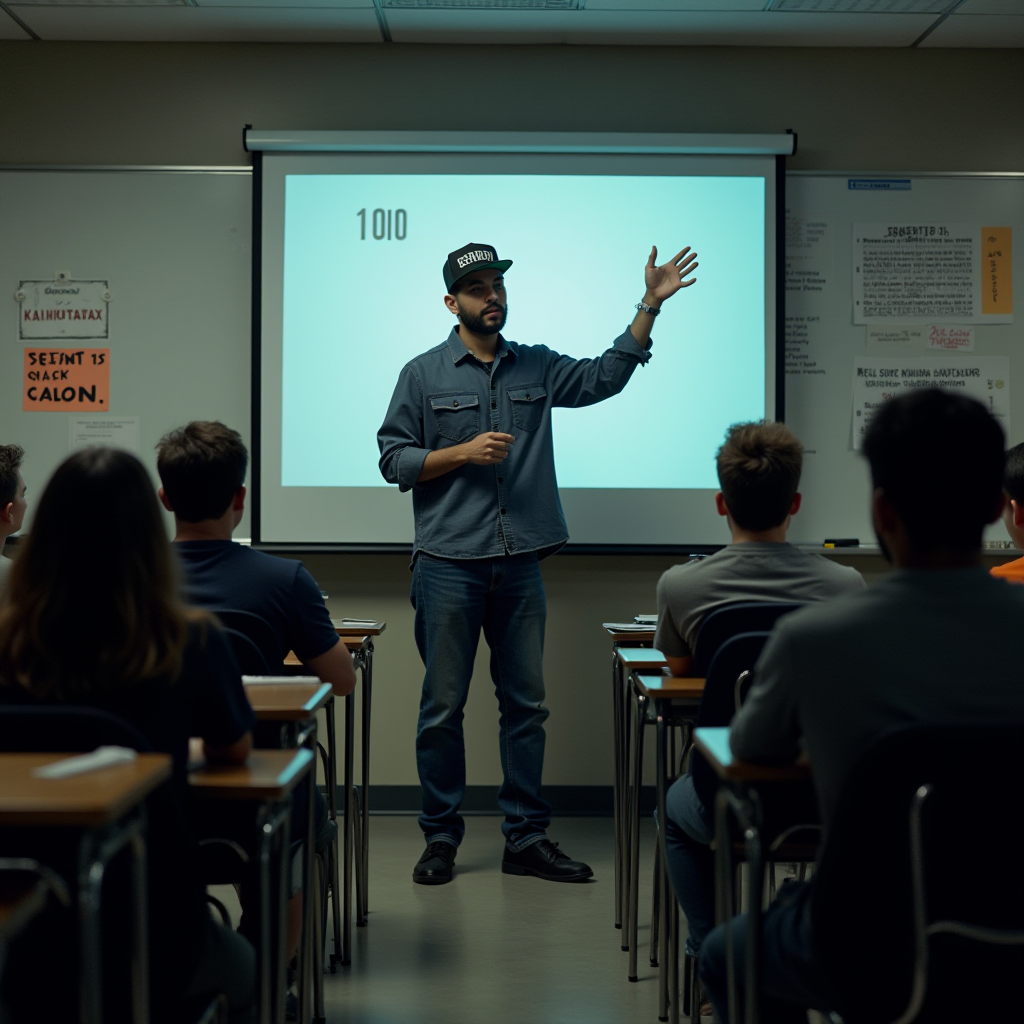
column 488, row 448
column 664, row 281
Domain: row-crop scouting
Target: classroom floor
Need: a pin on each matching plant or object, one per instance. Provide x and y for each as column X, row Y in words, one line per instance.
column 489, row 947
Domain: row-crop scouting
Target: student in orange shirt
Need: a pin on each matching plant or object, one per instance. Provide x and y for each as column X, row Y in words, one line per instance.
column 1013, row 513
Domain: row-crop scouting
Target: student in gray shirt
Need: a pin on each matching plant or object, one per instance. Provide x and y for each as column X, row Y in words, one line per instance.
column 759, row 471
column 833, row 679
column 12, row 499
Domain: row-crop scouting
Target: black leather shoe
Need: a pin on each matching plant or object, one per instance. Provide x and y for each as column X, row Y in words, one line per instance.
column 435, row 866
column 545, row 860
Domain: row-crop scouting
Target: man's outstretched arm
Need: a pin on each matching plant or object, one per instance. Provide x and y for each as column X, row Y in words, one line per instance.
column 579, row 382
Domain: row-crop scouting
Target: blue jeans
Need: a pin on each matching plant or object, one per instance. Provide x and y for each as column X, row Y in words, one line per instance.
column 790, row 979
column 454, row 599
column 690, row 861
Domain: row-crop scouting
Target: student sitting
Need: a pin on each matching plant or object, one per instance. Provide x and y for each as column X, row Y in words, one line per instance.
column 12, row 499
column 202, row 468
column 759, row 472
column 1013, row 513
column 821, row 685
column 91, row 616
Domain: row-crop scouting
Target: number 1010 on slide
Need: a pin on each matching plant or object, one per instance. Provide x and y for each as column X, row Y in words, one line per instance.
column 384, row 224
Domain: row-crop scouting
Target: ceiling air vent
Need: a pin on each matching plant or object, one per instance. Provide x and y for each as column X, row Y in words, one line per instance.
column 862, row 6
column 487, row 5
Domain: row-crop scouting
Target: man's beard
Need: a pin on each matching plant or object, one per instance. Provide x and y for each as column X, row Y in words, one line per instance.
column 478, row 325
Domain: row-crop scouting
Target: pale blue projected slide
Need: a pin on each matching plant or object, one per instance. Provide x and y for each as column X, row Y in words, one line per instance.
column 363, row 295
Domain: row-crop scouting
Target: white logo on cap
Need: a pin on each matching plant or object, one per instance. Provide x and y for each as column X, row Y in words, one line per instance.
column 476, row 256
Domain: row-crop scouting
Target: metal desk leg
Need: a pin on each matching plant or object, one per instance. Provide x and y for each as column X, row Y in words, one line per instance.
column 350, row 811
column 752, row 842
column 140, row 930
column 332, row 795
column 664, row 996
column 95, row 851
column 617, row 787
column 640, row 715
column 626, row 735
column 306, row 939
column 364, row 865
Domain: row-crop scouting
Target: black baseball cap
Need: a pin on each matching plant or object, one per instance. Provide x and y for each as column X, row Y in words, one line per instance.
column 475, row 256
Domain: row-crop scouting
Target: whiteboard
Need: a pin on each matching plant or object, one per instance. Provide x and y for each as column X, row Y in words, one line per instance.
column 175, row 246
column 819, row 398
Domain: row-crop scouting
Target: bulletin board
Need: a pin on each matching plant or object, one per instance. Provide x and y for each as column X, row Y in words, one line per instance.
column 124, row 308
column 845, row 233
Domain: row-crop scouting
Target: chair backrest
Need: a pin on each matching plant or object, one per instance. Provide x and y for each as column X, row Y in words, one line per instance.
column 258, row 631
column 963, row 787
column 249, row 657
column 730, row 619
column 68, row 728
column 718, row 704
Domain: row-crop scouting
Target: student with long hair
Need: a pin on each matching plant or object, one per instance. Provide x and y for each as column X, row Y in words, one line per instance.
column 92, row 615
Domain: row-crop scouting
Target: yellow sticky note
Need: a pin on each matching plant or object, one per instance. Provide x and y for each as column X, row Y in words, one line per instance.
column 997, row 271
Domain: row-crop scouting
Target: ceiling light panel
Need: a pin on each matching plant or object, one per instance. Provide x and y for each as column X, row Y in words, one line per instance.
column 478, row 5
column 862, row 6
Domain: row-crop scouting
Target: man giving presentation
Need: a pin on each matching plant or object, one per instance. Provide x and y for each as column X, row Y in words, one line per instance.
column 469, row 431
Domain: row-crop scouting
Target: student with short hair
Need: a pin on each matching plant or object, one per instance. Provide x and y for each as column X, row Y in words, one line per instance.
column 759, row 468
column 12, row 499
column 821, row 685
column 92, row 616
column 1013, row 513
column 202, row 468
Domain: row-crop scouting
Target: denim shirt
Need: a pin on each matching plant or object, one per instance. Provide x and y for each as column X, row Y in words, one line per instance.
column 447, row 396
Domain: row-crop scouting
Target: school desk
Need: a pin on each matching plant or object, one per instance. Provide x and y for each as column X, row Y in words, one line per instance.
column 106, row 809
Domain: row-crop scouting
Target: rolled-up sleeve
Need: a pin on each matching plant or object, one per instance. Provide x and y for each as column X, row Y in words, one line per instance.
column 400, row 438
column 579, row 382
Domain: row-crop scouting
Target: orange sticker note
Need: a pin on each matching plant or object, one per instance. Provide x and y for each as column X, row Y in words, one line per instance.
column 997, row 271
column 66, row 380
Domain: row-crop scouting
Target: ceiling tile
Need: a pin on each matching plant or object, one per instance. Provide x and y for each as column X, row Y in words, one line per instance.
column 712, row 6
column 656, row 28
column 10, row 29
column 991, row 7
column 203, row 24
column 286, row 5
column 716, row 6
column 984, row 30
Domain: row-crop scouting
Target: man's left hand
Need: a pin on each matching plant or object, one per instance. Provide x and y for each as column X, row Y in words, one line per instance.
column 664, row 281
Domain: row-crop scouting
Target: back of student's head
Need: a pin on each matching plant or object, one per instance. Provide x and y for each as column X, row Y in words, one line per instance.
column 1013, row 473
column 92, row 601
column 759, row 473
column 201, row 465
column 10, row 462
column 938, row 458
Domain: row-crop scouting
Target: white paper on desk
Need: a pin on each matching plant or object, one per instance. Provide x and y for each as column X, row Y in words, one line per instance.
column 278, row 680
column 876, row 380
column 100, row 758
column 628, row 627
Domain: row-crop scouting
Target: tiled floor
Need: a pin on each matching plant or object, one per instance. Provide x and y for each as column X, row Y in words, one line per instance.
column 490, row 948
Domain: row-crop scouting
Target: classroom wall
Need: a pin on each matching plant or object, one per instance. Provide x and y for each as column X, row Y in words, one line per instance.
column 186, row 104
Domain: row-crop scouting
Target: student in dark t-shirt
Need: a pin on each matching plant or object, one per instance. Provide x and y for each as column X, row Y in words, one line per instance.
column 92, row 616
column 202, row 468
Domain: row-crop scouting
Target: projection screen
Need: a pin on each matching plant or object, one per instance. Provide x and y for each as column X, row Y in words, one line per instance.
column 351, row 232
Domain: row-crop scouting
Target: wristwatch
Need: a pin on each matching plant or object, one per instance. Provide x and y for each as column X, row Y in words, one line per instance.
column 643, row 307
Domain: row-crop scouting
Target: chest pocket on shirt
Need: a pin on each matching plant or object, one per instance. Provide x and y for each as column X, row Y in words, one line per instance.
column 457, row 416
column 528, row 405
